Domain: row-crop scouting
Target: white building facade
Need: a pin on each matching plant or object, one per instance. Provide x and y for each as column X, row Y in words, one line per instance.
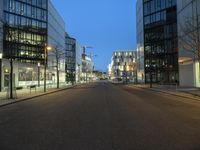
column 123, row 66
column 188, row 12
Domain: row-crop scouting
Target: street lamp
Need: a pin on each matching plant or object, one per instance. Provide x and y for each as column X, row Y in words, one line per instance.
column 1, row 56
column 38, row 74
column 151, row 75
column 47, row 48
column 11, row 78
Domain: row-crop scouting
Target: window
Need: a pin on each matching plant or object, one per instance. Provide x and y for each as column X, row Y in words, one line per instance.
column 147, row 20
column 158, row 16
column 158, row 5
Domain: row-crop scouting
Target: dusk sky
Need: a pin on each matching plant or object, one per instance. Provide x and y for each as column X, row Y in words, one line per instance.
column 107, row 25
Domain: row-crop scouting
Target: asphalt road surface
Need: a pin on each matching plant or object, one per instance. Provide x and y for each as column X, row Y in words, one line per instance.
column 101, row 116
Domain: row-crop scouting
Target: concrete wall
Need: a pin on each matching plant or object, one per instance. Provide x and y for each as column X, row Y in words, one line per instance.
column 187, row 75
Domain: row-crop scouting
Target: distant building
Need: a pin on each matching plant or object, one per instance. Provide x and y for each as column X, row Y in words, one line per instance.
column 79, row 52
column 123, row 66
column 70, row 58
column 87, row 68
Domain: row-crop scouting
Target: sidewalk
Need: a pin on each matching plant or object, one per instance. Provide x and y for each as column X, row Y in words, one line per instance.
column 185, row 92
column 27, row 93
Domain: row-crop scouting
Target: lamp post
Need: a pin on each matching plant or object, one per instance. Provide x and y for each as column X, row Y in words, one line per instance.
column 1, row 56
column 151, row 80
column 198, row 37
column 45, row 66
column 58, row 71
column 125, row 73
column 11, row 78
column 38, row 74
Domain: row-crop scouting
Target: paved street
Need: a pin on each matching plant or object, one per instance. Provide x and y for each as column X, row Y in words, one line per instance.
column 101, row 116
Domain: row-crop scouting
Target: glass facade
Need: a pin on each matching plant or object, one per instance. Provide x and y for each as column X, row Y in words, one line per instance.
column 160, row 41
column 56, row 36
column 140, row 42
column 1, row 26
column 70, row 58
column 25, row 30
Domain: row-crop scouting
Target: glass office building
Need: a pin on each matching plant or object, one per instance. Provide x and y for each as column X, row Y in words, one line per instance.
column 56, row 39
column 25, row 30
column 28, row 27
column 56, row 34
column 140, row 42
column 160, row 41
column 70, row 58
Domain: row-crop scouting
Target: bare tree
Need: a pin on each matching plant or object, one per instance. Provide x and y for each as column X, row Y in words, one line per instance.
column 189, row 37
column 150, row 38
column 6, row 27
column 59, row 55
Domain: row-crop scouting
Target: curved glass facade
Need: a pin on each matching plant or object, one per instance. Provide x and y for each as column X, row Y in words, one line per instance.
column 56, row 36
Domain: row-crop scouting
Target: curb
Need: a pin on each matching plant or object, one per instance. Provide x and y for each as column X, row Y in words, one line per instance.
column 197, row 98
column 39, row 95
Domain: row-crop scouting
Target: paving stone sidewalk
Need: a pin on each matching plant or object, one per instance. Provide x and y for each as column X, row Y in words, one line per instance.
column 27, row 93
column 186, row 92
